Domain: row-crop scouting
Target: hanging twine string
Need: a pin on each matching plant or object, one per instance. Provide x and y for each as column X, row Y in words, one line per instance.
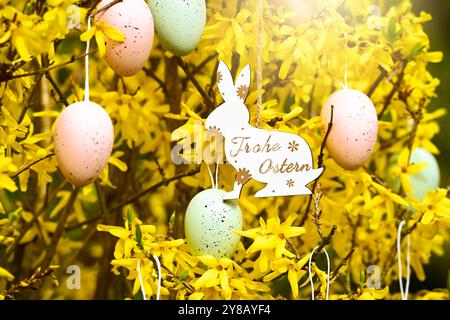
column 404, row 292
column 86, row 60
column 141, row 282
column 310, row 274
column 211, row 176
column 259, row 75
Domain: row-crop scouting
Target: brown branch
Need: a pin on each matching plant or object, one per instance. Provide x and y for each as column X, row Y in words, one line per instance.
column 394, row 89
column 204, row 62
column 194, row 81
column 29, row 283
column 317, row 213
column 30, row 98
column 189, row 287
column 51, row 251
column 109, row 5
column 377, row 82
column 56, row 87
column 101, row 199
column 344, row 261
column 152, row 75
column 319, row 165
column 154, row 187
column 28, row 166
column 17, row 241
column 47, row 69
column 163, row 182
column 92, row 8
column 323, row 244
column 375, row 177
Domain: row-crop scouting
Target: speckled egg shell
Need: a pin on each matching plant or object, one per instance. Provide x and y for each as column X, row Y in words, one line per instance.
column 211, row 224
column 426, row 179
column 355, row 126
column 179, row 24
column 134, row 19
column 83, row 137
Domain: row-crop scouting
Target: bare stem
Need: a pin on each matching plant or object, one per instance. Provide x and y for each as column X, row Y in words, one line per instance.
column 15, row 175
column 319, row 165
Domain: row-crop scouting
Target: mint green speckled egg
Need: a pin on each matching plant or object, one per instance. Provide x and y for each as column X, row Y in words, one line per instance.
column 428, row 178
column 179, row 24
column 421, row 182
column 211, row 224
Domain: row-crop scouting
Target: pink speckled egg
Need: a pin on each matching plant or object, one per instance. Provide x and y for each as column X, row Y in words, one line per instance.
column 134, row 20
column 355, row 126
column 84, row 136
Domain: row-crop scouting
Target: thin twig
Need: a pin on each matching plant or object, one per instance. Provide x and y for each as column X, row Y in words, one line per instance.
column 28, row 166
column 56, row 87
column 30, row 98
column 391, row 94
column 152, row 75
column 51, row 251
column 194, row 81
column 377, row 82
column 154, row 187
column 319, row 165
column 317, row 212
column 101, row 199
column 344, row 261
column 326, row 240
column 47, row 69
column 109, row 5
column 29, row 283
column 92, row 8
column 163, row 182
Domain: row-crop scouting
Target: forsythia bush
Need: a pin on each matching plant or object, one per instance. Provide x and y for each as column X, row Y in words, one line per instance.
column 136, row 208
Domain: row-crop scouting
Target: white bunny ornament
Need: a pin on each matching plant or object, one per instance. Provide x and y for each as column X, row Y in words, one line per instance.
column 281, row 160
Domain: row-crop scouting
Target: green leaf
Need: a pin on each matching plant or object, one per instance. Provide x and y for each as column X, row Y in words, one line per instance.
column 415, row 51
column 183, row 275
column 392, row 34
column 172, row 220
column 129, row 217
column 139, row 237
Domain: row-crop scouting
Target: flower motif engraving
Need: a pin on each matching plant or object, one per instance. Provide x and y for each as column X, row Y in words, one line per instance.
column 290, row 183
column 243, row 175
column 242, row 92
column 219, row 76
column 293, row 146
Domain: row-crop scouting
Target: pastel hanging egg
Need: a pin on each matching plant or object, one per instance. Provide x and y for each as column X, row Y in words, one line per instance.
column 211, row 224
column 421, row 182
column 355, row 126
column 83, row 137
column 179, row 24
column 134, row 20
column 429, row 177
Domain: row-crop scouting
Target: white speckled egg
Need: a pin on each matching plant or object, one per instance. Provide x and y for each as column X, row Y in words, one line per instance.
column 211, row 224
column 179, row 24
column 83, row 137
column 134, row 20
column 355, row 127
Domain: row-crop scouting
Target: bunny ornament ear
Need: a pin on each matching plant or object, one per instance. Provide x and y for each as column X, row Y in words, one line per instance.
column 243, row 83
column 227, row 88
column 225, row 82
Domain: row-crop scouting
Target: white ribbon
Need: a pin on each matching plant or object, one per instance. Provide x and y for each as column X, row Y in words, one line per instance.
column 404, row 292
column 141, row 282
column 86, row 59
column 328, row 273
